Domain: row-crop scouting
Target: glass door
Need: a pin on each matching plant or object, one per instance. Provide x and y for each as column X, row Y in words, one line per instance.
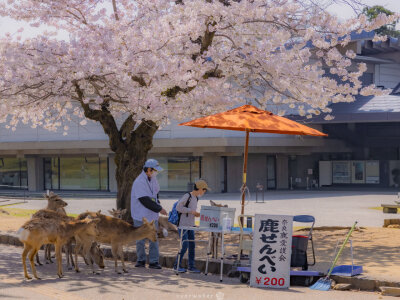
column 271, row 172
column 51, row 173
column 224, row 174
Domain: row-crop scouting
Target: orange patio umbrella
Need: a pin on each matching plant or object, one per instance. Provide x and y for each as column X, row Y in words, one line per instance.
column 249, row 118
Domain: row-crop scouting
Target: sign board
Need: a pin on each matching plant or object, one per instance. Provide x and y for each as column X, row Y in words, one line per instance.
column 309, row 171
column 272, row 249
column 212, row 216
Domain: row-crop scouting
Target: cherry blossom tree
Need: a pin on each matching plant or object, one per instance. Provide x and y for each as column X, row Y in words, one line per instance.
column 133, row 66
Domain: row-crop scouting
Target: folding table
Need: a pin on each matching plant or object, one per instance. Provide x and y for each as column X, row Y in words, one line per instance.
column 234, row 230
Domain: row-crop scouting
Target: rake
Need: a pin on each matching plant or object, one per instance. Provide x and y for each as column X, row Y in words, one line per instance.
column 324, row 284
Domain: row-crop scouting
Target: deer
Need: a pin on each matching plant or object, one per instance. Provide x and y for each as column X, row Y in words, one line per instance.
column 164, row 224
column 93, row 253
column 38, row 231
column 117, row 213
column 96, row 256
column 54, row 203
column 162, row 221
column 118, row 233
column 215, row 236
column 87, row 246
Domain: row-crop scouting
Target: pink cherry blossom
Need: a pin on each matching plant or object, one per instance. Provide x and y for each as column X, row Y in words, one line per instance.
column 160, row 60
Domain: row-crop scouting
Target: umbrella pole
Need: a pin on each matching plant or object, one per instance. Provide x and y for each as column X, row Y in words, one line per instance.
column 246, row 152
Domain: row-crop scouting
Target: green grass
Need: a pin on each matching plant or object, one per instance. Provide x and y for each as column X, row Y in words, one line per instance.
column 376, row 208
column 24, row 213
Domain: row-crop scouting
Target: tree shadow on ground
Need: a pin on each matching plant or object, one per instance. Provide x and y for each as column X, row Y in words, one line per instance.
column 108, row 281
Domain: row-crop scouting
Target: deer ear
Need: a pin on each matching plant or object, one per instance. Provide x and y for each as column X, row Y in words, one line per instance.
column 152, row 222
column 144, row 220
column 111, row 211
column 99, row 211
column 124, row 211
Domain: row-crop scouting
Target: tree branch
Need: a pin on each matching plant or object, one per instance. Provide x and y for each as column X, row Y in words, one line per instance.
column 207, row 39
column 115, row 10
column 127, row 128
column 139, row 80
column 104, row 117
column 172, row 92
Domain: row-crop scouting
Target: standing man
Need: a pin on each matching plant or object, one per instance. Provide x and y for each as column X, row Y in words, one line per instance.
column 145, row 203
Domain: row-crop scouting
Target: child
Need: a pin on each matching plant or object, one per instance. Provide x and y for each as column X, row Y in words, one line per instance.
column 187, row 206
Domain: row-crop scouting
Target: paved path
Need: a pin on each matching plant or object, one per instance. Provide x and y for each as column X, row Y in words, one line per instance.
column 141, row 284
column 330, row 208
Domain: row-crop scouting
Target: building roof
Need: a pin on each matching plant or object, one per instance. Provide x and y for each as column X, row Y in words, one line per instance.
column 372, row 59
column 369, row 47
column 364, row 109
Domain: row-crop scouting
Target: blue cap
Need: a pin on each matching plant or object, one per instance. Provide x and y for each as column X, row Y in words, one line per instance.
column 152, row 163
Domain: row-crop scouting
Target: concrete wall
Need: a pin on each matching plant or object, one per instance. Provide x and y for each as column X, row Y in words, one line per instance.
column 76, row 132
column 235, row 169
column 111, row 171
column 35, row 173
column 256, row 171
column 299, row 169
column 387, row 75
column 93, row 131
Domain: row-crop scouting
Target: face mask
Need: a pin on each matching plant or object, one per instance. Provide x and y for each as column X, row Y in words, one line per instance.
column 154, row 174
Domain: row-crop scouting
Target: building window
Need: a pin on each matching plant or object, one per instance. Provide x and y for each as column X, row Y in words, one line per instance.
column 179, row 173
column 13, row 173
column 76, row 173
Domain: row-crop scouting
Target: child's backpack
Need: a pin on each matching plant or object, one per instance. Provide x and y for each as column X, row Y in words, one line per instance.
column 174, row 216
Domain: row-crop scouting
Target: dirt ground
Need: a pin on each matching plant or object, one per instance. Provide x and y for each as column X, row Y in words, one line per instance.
column 141, row 284
column 375, row 249
column 10, row 223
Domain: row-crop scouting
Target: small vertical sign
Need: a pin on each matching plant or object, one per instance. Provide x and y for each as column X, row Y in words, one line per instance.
column 272, row 249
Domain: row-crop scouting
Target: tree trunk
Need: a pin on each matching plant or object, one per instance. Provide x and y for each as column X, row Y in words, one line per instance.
column 130, row 143
column 129, row 165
